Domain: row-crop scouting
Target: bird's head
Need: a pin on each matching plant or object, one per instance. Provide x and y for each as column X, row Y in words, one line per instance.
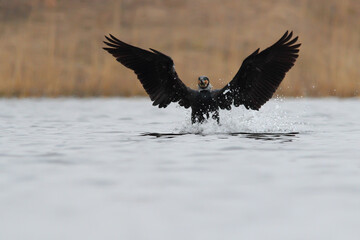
column 204, row 83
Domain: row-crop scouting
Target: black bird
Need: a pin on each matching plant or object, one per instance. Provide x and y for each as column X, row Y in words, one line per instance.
column 253, row 85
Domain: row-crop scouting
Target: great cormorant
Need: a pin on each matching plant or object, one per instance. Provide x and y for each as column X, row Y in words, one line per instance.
column 253, row 85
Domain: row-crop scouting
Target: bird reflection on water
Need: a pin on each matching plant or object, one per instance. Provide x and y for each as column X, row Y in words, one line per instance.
column 279, row 137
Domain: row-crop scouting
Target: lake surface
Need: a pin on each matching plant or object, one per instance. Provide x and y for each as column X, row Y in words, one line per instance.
column 122, row 169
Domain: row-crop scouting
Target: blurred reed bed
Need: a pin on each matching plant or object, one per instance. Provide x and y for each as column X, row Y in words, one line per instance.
column 54, row 48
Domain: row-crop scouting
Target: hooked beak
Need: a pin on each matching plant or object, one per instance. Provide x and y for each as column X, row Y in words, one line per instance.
column 203, row 83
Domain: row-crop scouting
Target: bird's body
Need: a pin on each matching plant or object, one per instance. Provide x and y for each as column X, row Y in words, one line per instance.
column 204, row 106
column 253, row 85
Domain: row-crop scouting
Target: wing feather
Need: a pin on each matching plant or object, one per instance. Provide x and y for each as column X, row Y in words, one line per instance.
column 260, row 75
column 155, row 71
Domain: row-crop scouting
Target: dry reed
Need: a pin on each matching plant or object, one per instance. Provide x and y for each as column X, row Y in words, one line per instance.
column 53, row 48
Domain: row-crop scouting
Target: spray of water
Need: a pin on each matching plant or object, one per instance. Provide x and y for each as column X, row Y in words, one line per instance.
column 272, row 118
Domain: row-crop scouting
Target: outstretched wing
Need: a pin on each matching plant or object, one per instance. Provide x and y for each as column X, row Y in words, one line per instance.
column 155, row 71
column 260, row 75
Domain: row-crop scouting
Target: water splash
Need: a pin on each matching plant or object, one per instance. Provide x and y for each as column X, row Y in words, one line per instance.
column 272, row 118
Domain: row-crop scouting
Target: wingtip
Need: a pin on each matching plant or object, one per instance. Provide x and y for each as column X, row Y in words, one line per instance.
column 288, row 37
column 107, row 38
column 283, row 38
column 114, row 38
column 155, row 51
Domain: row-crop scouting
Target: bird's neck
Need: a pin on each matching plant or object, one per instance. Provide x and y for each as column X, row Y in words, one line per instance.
column 208, row 88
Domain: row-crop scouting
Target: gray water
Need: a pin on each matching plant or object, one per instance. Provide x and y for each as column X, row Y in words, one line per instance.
column 122, row 169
